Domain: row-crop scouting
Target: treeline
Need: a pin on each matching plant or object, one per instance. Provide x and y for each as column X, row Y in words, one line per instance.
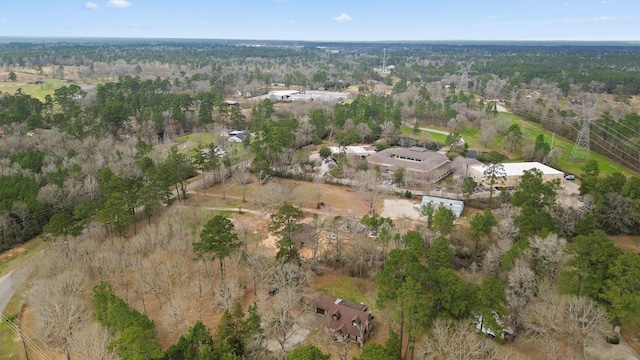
column 565, row 64
column 59, row 189
column 193, row 53
column 614, row 200
column 137, row 337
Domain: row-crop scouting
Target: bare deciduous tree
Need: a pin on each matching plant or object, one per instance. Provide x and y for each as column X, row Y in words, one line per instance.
column 242, row 178
column 566, row 318
column 277, row 193
column 488, row 131
column 455, row 340
column 520, row 290
column 458, row 123
column 228, row 292
column 283, row 315
column 91, row 343
column 178, row 314
column 368, row 184
column 60, row 306
column 388, row 131
column 546, row 254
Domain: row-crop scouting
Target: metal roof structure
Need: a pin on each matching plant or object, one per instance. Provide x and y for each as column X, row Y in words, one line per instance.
column 454, row 205
column 517, row 169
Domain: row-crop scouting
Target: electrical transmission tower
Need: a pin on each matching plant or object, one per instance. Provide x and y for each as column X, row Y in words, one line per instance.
column 581, row 148
column 464, row 76
column 384, row 60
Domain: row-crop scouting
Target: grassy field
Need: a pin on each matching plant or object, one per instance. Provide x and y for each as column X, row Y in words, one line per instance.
column 530, row 131
column 10, row 346
column 347, row 288
column 406, row 131
column 198, row 138
column 39, row 91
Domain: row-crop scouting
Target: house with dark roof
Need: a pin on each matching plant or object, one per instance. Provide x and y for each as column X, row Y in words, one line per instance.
column 236, row 136
column 425, row 166
column 345, row 319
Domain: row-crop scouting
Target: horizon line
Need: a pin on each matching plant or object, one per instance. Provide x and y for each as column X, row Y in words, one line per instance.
column 636, row 42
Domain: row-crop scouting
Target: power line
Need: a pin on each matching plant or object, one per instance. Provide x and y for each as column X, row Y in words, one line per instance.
column 615, row 156
column 604, row 144
column 16, row 329
column 628, row 143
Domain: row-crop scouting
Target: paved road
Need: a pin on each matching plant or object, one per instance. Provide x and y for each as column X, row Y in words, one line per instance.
column 7, row 288
column 444, row 149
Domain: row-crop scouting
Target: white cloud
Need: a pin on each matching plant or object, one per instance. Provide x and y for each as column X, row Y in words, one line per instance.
column 342, row 17
column 603, row 18
column 290, row 21
column 90, row 5
column 119, row 3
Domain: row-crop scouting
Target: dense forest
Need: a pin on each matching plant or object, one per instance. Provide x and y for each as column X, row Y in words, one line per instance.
column 89, row 159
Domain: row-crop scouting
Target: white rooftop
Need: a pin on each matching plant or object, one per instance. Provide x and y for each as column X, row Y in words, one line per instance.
column 283, row 92
column 352, row 149
column 517, row 169
column 454, row 205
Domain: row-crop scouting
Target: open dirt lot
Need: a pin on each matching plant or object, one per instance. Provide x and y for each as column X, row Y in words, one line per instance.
column 401, row 208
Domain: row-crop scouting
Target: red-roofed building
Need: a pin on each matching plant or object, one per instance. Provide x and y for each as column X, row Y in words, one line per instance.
column 345, row 319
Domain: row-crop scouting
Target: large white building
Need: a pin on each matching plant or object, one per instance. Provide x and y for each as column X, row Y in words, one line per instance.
column 361, row 151
column 514, row 172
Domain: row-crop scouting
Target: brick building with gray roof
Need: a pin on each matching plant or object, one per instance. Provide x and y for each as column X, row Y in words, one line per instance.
column 424, row 166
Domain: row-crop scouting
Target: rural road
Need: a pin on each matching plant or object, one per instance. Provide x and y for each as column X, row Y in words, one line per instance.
column 7, row 288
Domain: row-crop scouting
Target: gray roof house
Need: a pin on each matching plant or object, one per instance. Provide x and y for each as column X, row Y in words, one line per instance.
column 426, row 166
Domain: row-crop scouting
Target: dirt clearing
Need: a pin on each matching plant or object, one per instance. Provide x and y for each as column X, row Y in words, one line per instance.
column 401, row 208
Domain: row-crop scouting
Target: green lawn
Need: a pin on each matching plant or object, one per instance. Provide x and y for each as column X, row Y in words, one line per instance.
column 199, row 138
column 406, row 131
column 10, row 347
column 530, row 131
column 37, row 91
column 346, row 288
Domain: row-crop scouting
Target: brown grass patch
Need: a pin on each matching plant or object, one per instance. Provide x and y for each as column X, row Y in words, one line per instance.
column 627, row 242
column 11, row 253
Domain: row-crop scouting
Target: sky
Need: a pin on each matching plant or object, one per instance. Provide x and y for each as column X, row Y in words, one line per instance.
column 326, row 20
